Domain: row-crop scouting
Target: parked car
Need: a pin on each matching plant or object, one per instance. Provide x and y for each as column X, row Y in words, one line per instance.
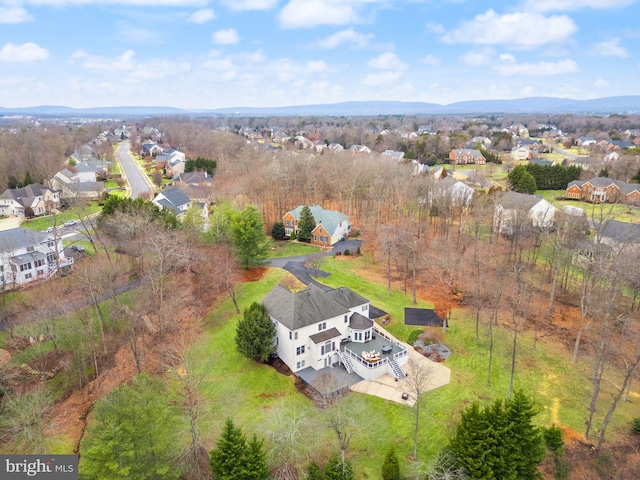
column 48, row 230
column 78, row 248
column 70, row 223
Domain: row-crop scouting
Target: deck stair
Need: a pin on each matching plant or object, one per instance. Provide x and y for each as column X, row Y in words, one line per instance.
column 346, row 361
column 397, row 371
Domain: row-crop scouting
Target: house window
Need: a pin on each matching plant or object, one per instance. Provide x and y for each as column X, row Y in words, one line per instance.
column 30, row 249
column 25, row 266
column 300, row 350
column 296, row 335
column 346, row 318
column 28, row 275
column 51, row 258
column 322, row 326
column 365, row 308
column 300, row 364
column 38, row 263
column 315, row 238
column 328, row 347
column 290, row 335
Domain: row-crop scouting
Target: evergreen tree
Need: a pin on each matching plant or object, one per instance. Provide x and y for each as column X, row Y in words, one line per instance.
column 526, row 439
column 255, row 333
column 336, row 469
column 256, row 461
column 228, row 459
column 391, row 466
column 314, row 472
column 132, row 435
column 521, row 180
column 277, row 231
column 249, row 238
column 499, row 441
column 306, row 224
column 201, row 164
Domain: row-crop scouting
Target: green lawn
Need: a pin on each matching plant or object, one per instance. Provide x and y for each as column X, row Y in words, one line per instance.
column 114, row 168
column 110, row 184
column 40, row 223
column 287, row 248
column 248, row 392
column 623, row 213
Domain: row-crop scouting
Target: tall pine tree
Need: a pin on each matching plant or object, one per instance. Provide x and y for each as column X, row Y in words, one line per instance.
column 255, row 333
column 306, row 224
column 234, row 458
column 391, row 465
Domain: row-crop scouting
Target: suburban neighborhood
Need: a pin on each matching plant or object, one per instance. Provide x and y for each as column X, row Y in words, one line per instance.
column 423, row 272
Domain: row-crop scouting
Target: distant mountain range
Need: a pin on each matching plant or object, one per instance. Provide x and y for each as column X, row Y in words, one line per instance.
column 545, row 105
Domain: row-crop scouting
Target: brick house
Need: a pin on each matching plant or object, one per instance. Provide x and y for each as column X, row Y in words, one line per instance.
column 331, row 225
column 464, row 156
column 604, row 190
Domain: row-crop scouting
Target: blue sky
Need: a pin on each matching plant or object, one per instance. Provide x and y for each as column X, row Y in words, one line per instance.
column 259, row 53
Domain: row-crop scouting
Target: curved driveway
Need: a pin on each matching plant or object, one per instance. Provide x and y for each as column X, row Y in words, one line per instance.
column 296, row 265
column 130, row 170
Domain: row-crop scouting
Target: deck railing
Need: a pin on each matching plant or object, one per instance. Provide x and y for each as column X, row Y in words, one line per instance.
column 362, row 361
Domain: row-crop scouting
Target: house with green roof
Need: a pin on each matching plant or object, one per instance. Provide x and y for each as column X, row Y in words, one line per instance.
column 331, row 226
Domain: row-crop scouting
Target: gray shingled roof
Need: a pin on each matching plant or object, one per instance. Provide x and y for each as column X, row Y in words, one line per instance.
column 359, row 322
column 86, row 187
column 330, row 219
column 174, row 197
column 514, row 200
column 310, row 306
column 19, row 238
column 324, row 336
column 621, row 232
column 25, row 196
column 604, row 182
column 28, row 257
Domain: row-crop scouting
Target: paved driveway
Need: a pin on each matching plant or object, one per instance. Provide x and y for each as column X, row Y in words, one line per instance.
column 296, row 265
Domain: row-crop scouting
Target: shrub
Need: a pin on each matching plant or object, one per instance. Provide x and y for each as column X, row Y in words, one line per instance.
column 357, row 234
column 293, row 235
column 636, row 425
column 358, row 251
column 347, row 252
column 338, row 253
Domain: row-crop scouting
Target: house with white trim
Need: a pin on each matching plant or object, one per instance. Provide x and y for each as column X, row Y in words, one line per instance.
column 331, row 225
column 27, row 256
column 172, row 199
column 39, row 198
column 320, row 327
column 517, row 210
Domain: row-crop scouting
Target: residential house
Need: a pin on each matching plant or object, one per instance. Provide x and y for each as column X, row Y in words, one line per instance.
column 359, row 149
column 520, row 153
column 70, row 186
column 172, row 161
column 335, row 147
column 172, row 199
column 486, row 142
column 543, row 162
column 397, row 156
column 318, row 328
column 464, row 156
column 611, row 157
column 515, row 211
column 150, row 148
column 194, row 179
column 604, row 190
column 331, row 225
column 27, row 256
column 449, row 189
column 584, row 162
column 419, row 168
column 618, row 235
column 39, row 198
column 586, row 141
column 85, row 173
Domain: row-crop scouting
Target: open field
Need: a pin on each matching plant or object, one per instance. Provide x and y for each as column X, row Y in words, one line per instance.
column 292, row 249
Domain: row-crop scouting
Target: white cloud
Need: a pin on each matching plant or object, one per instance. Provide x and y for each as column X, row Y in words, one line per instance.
column 507, row 57
column 241, row 5
column 601, row 83
column 203, row 15
column 387, row 61
column 124, row 62
column 520, row 29
column 28, row 52
column 14, row 15
column 382, row 78
column 610, row 48
column 317, row 66
column 350, row 36
column 312, row 13
column 227, row 36
column 430, row 60
column 435, row 28
column 540, row 69
column 478, row 58
column 566, row 5
column 157, row 69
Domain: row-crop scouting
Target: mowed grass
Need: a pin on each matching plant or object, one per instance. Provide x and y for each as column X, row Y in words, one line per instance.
column 249, row 392
column 623, row 213
column 41, row 223
column 288, row 248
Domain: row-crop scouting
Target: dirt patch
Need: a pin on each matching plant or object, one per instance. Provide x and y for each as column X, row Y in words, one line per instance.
column 254, row 274
column 5, row 357
column 280, row 366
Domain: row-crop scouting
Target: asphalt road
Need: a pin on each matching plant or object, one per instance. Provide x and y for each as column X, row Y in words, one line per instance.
column 296, row 265
column 130, row 170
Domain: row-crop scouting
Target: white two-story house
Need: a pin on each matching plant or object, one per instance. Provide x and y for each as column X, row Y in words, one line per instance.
column 39, row 198
column 27, row 256
column 318, row 328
